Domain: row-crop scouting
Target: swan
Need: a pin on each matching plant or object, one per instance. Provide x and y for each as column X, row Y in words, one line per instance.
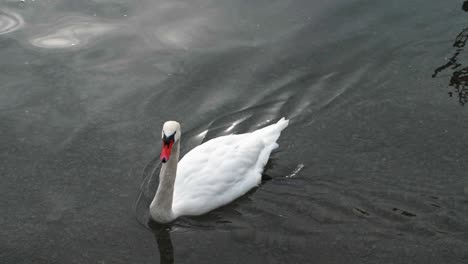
column 212, row 174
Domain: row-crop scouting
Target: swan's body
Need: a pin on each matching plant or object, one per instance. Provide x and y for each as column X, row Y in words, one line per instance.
column 212, row 174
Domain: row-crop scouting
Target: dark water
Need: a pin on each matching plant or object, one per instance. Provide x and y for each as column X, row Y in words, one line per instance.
column 372, row 168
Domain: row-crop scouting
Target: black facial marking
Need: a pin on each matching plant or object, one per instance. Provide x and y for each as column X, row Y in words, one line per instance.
column 167, row 140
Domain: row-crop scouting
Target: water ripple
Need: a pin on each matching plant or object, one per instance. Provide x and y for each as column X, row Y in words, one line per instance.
column 9, row 21
column 74, row 35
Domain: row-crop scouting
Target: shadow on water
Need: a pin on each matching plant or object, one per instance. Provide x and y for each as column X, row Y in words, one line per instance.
column 459, row 78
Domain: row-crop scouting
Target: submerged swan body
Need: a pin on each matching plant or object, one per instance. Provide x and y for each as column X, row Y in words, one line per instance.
column 212, row 174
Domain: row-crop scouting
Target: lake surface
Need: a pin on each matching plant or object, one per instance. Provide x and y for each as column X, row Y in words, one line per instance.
column 372, row 168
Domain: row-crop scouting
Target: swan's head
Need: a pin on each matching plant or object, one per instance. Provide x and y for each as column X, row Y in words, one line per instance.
column 170, row 134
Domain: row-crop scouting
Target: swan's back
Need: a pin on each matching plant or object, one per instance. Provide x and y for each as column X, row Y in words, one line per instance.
column 223, row 169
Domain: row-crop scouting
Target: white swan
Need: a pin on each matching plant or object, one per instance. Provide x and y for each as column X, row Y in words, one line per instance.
column 212, row 174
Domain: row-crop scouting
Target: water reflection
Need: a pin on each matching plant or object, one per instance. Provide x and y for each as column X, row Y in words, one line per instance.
column 182, row 33
column 77, row 33
column 9, row 21
column 459, row 78
column 163, row 239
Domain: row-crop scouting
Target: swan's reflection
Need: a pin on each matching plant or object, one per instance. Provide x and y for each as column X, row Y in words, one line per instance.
column 163, row 238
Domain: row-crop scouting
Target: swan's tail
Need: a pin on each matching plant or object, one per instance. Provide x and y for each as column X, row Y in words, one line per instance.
column 282, row 123
column 269, row 135
column 272, row 132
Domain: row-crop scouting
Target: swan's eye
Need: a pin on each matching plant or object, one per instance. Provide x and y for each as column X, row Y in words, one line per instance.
column 168, row 139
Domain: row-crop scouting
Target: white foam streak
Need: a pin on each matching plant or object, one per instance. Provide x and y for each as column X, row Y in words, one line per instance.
column 295, row 171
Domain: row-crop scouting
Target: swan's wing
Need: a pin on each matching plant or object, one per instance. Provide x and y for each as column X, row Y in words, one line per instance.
column 217, row 172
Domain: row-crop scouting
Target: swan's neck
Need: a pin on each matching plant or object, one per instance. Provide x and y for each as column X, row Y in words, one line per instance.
column 161, row 206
